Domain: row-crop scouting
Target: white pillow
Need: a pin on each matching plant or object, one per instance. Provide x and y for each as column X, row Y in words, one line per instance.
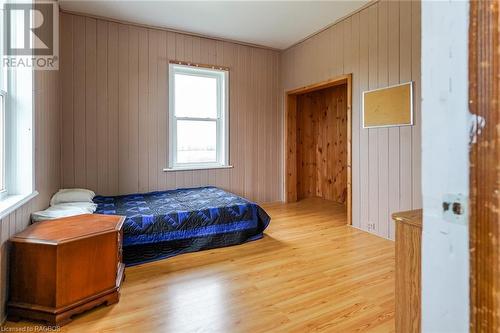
column 64, row 210
column 56, row 212
column 88, row 207
column 72, row 195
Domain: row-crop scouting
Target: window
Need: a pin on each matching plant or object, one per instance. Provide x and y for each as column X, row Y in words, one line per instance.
column 16, row 125
column 198, row 117
column 2, row 142
column 3, row 116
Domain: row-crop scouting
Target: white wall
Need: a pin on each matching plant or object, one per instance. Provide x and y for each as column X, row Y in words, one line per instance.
column 445, row 167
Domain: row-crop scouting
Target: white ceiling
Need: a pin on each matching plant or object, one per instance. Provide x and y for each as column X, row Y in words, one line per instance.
column 275, row 24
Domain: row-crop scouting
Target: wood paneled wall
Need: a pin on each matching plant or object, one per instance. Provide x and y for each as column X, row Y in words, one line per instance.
column 47, row 117
column 322, row 144
column 115, row 106
column 380, row 46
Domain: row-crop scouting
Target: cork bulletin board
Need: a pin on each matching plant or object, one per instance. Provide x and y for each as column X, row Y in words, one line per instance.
column 387, row 107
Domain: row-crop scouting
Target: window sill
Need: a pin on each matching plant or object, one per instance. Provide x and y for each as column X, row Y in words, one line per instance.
column 192, row 168
column 12, row 202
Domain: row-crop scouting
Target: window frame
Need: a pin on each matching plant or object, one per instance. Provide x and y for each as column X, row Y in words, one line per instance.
column 17, row 86
column 221, row 120
column 3, row 113
column 3, row 146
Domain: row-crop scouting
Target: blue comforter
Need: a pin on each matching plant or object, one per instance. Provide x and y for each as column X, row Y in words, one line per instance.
column 167, row 223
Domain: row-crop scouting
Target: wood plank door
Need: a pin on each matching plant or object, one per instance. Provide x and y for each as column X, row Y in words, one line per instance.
column 484, row 96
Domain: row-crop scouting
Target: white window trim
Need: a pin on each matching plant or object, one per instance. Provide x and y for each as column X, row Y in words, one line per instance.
column 12, row 202
column 222, row 119
column 3, row 155
column 3, row 92
column 18, row 103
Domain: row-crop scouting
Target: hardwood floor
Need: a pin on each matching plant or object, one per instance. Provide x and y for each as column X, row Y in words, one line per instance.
column 311, row 272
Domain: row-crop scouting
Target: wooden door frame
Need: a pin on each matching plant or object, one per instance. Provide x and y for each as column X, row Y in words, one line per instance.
column 484, row 175
column 291, row 136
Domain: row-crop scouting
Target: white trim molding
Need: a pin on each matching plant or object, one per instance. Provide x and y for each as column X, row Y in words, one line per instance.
column 198, row 168
column 221, row 119
column 13, row 202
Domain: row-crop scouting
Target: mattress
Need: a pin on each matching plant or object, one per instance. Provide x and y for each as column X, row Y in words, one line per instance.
column 162, row 224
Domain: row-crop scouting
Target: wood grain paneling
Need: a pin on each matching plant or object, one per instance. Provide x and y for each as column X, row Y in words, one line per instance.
column 393, row 132
column 116, row 113
column 291, row 148
column 322, row 144
column 484, row 93
column 408, row 270
column 383, row 49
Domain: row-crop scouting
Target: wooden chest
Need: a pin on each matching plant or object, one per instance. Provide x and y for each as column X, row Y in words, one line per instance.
column 62, row 267
column 408, row 270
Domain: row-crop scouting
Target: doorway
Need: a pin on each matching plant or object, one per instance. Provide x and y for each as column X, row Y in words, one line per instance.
column 318, row 142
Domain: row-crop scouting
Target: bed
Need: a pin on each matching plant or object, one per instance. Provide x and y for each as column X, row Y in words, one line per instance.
column 163, row 224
